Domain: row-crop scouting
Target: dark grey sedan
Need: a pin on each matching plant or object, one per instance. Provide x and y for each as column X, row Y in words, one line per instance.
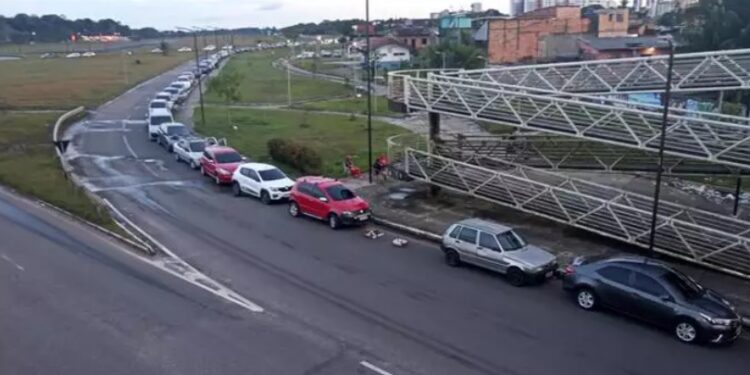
column 656, row 293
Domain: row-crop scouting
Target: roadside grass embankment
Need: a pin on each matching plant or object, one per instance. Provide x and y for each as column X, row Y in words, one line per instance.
column 331, row 136
column 29, row 166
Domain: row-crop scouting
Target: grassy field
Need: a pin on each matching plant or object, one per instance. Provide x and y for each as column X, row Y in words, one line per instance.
column 332, row 136
column 28, row 165
column 262, row 83
column 66, row 83
column 351, row 105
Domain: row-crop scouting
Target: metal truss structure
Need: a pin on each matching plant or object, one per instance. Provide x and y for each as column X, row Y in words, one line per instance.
column 710, row 71
column 562, row 153
column 581, row 123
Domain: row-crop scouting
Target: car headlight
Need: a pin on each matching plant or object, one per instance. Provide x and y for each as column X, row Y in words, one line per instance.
column 222, row 171
column 347, row 213
column 717, row 321
column 274, row 189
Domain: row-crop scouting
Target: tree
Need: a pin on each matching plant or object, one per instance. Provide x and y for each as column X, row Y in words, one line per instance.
column 164, row 47
column 717, row 24
column 455, row 54
column 227, row 87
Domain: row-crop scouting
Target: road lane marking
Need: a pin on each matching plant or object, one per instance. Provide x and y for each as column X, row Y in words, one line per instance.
column 374, row 368
column 7, row 259
column 127, row 145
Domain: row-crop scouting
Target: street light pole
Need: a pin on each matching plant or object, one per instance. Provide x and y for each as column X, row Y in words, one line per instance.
column 198, row 71
column 369, row 91
column 660, row 168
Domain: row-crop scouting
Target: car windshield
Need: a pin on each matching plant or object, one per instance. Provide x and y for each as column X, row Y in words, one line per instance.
column 340, row 193
column 228, row 157
column 177, row 130
column 163, row 97
column 271, row 175
column 511, row 240
column 158, row 104
column 158, row 120
column 687, row 286
column 197, row 146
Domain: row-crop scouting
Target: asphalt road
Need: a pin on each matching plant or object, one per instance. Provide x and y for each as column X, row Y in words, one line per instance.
column 72, row 301
column 399, row 308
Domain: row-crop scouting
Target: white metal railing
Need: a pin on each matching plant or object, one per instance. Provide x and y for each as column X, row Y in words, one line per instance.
column 697, row 236
column 705, row 71
column 715, row 138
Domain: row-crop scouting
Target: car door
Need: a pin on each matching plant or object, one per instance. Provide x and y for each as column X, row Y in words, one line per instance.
column 318, row 202
column 305, row 198
column 252, row 181
column 210, row 164
column 490, row 254
column 179, row 149
column 653, row 302
column 614, row 290
column 466, row 244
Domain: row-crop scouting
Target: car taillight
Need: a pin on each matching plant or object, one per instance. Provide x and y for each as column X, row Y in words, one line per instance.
column 569, row 270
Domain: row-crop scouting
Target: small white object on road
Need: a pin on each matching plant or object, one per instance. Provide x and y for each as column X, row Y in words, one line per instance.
column 400, row 242
column 374, row 368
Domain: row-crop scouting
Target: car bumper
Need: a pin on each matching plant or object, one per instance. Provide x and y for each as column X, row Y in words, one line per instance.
column 224, row 178
column 356, row 219
column 547, row 272
column 722, row 334
column 280, row 195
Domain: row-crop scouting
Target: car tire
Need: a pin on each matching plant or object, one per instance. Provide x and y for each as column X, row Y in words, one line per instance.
column 294, row 209
column 236, row 189
column 334, row 222
column 265, row 197
column 516, row 277
column 687, row 331
column 586, row 298
column 452, row 258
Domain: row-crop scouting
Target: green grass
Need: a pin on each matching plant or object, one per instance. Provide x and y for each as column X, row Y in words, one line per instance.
column 332, row 136
column 351, row 105
column 262, row 83
column 58, row 83
column 28, row 165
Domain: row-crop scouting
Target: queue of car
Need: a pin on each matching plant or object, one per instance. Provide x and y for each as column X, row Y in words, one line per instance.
column 638, row 287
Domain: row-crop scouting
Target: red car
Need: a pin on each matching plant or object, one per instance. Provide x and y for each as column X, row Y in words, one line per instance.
column 219, row 163
column 327, row 199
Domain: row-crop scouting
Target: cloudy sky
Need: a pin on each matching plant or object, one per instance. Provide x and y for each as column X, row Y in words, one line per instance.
column 167, row 14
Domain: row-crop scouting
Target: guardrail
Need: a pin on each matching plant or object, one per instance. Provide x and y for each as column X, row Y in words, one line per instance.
column 120, row 220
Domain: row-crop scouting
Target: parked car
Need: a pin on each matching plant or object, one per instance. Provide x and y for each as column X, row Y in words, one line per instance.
column 327, row 199
column 185, row 49
column 158, row 104
column 88, row 54
column 186, row 79
column 167, row 97
column 263, row 181
column 189, row 150
column 656, row 293
column 219, row 163
column 73, row 55
column 157, row 117
column 170, row 133
column 174, row 93
column 498, row 248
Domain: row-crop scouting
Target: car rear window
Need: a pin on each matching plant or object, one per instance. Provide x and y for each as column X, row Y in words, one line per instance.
column 158, row 105
column 158, row 120
column 162, row 97
column 340, row 193
column 468, row 235
column 228, row 157
column 177, row 130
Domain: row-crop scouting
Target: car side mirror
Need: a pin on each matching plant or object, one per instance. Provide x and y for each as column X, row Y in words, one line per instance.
column 323, row 199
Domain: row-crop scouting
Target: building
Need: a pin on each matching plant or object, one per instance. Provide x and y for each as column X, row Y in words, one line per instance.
column 611, row 22
column 593, row 48
column 452, row 25
column 518, row 39
column 519, row 7
column 476, row 7
column 416, row 38
column 389, row 53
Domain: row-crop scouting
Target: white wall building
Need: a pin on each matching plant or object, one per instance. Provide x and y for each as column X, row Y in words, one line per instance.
column 391, row 55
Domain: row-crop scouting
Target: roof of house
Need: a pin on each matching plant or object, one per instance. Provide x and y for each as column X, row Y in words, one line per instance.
column 619, row 43
column 413, row 31
column 376, row 43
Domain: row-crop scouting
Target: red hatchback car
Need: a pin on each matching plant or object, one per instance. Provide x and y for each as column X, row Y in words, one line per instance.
column 327, row 199
column 219, row 163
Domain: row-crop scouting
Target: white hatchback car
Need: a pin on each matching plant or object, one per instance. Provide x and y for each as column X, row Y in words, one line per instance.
column 190, row 151
column 261, row 180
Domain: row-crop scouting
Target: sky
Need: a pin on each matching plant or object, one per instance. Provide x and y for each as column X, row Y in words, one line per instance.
column 168, row 14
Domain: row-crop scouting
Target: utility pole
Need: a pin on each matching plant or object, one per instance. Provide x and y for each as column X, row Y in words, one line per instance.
column 369, row 90
column 198, row 71
column 665, row 117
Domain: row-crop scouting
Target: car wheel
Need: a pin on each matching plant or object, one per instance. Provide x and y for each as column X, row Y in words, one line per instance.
column 236, row 189
column 686, row 331
column 265, row 197
column 452, row 258
column 333, row 221
column 516, row 277
column 586, row 298
column 293, row 209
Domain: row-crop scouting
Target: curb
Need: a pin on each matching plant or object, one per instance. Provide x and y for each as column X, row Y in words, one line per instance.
column 437, row 238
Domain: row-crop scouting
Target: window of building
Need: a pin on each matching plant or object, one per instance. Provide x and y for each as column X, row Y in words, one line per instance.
column 611, row 17
column 424, row 41
column 620, row 18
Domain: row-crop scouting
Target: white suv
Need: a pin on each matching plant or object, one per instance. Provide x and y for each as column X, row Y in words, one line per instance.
column 156, row 117
column 261, row 180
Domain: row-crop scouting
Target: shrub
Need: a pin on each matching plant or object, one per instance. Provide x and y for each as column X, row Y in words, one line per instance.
column 295, row 154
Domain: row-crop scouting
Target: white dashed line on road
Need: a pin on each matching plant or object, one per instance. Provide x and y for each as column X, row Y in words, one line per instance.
column 7, row 259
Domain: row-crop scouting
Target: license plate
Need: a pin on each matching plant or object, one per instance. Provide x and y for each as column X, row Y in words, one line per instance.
column 363, row 217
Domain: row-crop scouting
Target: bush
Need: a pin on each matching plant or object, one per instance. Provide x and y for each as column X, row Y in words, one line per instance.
column 295, row 154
